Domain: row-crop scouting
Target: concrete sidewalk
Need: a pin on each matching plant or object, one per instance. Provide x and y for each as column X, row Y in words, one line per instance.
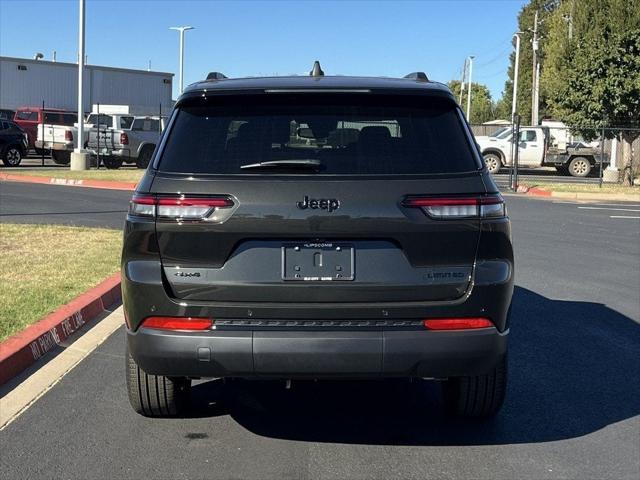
column 23, row 390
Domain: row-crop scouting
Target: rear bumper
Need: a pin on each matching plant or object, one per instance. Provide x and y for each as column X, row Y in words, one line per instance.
column 67, row 146
column 125, row 153
column 318, row 354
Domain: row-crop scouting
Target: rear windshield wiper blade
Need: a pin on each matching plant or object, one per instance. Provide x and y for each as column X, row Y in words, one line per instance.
column 293, row 163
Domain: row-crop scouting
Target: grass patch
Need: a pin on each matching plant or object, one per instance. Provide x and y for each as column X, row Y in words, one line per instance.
column 587, row 188
column 45, row 266
column 132, row 175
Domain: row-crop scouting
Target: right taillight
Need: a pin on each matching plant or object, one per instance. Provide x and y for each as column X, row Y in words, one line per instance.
column 124, row 138
column 456, row 323
column 68, row 136
column 182, row 208
column 442, row 208
column 183, row 324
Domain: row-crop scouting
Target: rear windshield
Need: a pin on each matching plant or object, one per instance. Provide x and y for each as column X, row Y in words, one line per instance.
column 25, row 115
column 343, row 135
column 146, row 125
column 69, row 119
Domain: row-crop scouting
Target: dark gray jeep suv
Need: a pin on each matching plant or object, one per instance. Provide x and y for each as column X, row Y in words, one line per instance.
column 317, row 227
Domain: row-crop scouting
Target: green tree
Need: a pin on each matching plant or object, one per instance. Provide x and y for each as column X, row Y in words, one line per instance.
column 482, row 108
column 591, row 74
column 604, row 89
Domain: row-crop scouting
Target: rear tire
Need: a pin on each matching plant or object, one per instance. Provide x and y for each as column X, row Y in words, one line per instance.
column 477, row 396
column 12, row 156
column 155, row 395
column 493, row 162
column 112, row 163
column 61, row 157
column 144, row 157
column 579, row 167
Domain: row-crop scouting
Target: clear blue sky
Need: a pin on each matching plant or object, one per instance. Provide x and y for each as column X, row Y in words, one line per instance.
column 244, row 38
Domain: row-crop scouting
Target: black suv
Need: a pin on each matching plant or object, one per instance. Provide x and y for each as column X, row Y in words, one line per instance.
column 13, row 143
column 317, row 227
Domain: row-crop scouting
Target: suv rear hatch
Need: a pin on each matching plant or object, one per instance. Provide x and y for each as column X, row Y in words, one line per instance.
column 317, row 197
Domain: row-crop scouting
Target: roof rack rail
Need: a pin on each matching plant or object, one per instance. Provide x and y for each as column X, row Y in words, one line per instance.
column 216, row 76
column 316, row 71
column 420, row 76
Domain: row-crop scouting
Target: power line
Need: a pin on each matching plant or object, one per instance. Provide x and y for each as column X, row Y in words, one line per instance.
column 497, row 57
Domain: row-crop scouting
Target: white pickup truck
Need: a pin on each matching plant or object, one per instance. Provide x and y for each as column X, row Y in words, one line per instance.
column 60, row 139
column 57, row 138
column 536, row 149
column 127, row 145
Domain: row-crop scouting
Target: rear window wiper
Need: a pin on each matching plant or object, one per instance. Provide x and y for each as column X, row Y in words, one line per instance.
column 311, row 163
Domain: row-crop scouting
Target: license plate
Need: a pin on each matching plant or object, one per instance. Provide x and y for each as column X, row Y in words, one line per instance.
column 317, row 261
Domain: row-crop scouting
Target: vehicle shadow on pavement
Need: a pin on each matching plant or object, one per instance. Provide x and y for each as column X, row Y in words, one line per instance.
column 573, row 370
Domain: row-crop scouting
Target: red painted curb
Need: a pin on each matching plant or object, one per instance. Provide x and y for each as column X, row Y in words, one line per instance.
column 539, row 192
column 24, row 348
column 70, row 182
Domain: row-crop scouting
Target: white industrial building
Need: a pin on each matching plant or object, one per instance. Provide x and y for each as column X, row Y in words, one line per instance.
column 28, row 82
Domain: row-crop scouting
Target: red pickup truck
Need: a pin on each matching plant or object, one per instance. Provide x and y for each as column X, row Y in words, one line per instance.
column 28, row 119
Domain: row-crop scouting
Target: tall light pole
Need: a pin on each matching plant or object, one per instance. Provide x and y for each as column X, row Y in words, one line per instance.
column 514, row 102
column 181, row 30
column 80, row 159
column 469, row 89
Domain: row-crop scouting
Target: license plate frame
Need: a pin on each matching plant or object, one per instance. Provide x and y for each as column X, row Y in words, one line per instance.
column 318, row 262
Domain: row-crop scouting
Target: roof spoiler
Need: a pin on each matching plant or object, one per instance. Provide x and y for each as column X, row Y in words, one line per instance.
column 419, row 76
column 216, row 76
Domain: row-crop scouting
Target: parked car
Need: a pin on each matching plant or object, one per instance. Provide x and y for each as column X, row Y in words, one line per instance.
column 59, row 139
column 30, row 117
column 13, row 143
column 134, row 144
column 538, row 148
column 6, row 114
column 383, row 253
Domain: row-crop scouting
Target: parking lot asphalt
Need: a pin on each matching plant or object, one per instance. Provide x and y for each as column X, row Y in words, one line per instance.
column 36, row 203
column 572, row 408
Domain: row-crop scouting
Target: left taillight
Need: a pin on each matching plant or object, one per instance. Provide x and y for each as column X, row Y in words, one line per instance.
column 143, row 206
column 181, row 207
column 443, row 208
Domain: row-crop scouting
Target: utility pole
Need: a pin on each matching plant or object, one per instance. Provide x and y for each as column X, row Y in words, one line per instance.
column 79, row 158
column 469, row 89
column 181, row 30
column 514, row 102
column 534, row 79
column 462, row 80
column 570, row 20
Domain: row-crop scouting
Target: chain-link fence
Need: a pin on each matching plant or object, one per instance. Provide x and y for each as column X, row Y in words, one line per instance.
column 552, row 152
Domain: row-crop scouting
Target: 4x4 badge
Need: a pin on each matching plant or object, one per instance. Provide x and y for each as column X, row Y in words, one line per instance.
column 328, row 204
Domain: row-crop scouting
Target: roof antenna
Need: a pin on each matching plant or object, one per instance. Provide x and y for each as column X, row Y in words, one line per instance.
column 316, row 71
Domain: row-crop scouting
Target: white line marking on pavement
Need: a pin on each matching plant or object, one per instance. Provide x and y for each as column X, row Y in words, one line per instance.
column 621, row 216
column 76, row 349
column 608, row 208
column 582, row 202
column 629, row 205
